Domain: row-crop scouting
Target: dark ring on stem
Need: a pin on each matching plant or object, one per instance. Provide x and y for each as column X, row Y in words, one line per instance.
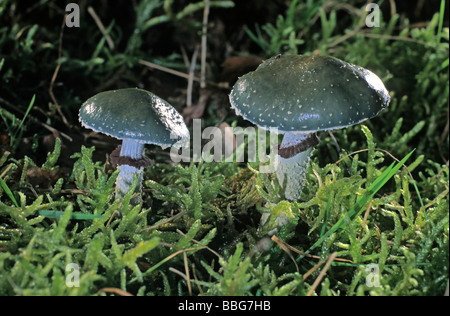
column 288, row 152
column 117, row 159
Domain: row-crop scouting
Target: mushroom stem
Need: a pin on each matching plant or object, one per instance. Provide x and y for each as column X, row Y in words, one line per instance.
column 132, row 149
column 291, row 171
column 135, row 151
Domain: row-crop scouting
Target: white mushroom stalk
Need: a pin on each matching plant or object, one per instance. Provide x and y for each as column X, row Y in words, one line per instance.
column 291, row 171
column 135, row 151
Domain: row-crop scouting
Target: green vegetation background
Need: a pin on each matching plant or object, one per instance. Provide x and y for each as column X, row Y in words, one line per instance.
column 220, row 228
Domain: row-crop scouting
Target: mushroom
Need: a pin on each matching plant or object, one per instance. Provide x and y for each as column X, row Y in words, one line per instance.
column 137, row 117
column 299, row 95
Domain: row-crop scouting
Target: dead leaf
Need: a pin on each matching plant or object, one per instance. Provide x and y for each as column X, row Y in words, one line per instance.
column 196, row 111
column 236, row 66
column 38, row 177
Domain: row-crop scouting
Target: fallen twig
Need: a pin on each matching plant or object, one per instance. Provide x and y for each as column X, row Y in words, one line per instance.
column 204, row 43
column 55, row 74
column 322, row 274
column 101, row 27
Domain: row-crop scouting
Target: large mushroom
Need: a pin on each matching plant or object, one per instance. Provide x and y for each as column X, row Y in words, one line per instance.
column 299, row 95
column 137, row 117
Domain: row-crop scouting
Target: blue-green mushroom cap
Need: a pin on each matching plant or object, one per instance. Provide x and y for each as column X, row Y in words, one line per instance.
column 134, row 114
column 305, row 94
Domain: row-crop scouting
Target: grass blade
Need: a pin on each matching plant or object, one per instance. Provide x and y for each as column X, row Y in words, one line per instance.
column 327, row 212
column 76, row 216
column 30, row 105
column 8, row 192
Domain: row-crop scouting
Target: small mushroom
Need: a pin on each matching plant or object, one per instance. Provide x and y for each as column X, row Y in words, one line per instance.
column 137, row 117
column 299, row 95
